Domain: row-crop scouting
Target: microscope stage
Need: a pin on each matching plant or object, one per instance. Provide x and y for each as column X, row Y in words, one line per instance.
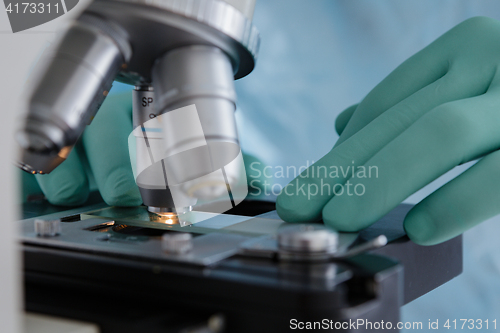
column 103, row 254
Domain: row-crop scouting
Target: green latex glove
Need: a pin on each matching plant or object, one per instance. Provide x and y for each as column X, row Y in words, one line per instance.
column 102, row 154
column 259, row 182
column 438, row 109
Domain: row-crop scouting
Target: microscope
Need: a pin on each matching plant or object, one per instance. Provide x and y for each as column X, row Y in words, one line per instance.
column 132, row 269
column 182, row 58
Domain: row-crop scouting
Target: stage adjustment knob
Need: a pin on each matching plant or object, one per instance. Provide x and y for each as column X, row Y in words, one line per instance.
column 177, row 242
column 47, row 228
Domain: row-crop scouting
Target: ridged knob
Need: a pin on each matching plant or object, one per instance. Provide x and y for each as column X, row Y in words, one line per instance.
column 308, row 239
column 47, row 228
column 177, row 242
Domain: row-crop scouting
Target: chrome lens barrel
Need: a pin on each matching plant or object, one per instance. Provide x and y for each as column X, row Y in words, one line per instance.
column 199, row 76
column 150, row 173
column 77, row 77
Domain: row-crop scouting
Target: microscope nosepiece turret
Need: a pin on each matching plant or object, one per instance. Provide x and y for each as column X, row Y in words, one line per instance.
column 184, row 53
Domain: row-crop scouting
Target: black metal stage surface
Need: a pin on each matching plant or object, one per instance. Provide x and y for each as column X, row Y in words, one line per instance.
column 107, row 267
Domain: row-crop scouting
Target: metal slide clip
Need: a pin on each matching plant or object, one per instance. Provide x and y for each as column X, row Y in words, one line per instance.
column 310, row 243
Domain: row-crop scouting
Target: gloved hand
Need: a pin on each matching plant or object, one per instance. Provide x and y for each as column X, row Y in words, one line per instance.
column 438, row 109
column 102, row 153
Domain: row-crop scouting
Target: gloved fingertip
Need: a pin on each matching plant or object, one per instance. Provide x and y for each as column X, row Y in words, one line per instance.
column 290, row 209
column 120, row 189
column 68, row 195
column 421, row 228
column 339, row 216
column 282, row 208
column 343, row 118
